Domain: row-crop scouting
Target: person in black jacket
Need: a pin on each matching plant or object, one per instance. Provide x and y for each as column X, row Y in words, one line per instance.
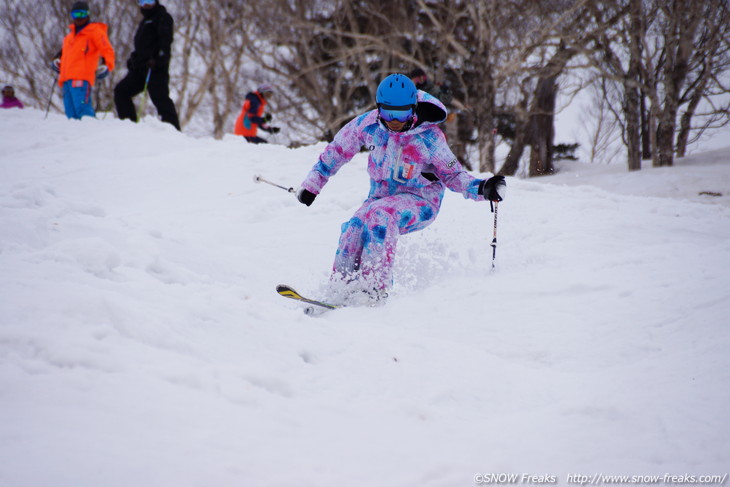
column 149, row 65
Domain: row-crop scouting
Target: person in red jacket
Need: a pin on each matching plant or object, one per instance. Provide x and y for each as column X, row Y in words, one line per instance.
column 78, row 62
column 252, row 115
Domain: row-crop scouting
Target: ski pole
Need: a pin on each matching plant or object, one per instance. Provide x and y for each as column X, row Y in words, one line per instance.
column 494, row 206
column 143, row 106
column 50, row 98
column 109, row 106
column 259, row 179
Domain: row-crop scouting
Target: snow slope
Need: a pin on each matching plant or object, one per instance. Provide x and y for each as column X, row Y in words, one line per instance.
column 142, row 342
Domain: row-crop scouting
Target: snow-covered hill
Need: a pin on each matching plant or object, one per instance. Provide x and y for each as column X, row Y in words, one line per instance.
column 142, row 342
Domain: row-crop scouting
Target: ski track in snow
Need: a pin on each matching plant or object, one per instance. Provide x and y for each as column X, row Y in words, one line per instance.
column 142, row 342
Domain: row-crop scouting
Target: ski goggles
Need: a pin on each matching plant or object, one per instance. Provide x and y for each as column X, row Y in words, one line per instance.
column 401, row 114
column 142, row 3
column 79, row 14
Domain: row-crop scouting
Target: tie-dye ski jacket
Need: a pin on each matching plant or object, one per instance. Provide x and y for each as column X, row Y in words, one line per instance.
column 417, row 161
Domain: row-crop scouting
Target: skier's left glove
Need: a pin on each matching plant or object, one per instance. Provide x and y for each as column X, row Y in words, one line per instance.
column 493, row 189
column 305, row 197
column 271, row 130
column 102, row 72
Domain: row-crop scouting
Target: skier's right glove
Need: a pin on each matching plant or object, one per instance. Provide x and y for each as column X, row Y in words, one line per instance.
column 268, row 117
column 493, row 189
column 56, row 65
column 305, row 197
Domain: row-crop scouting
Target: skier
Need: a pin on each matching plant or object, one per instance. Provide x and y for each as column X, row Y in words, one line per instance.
column 409, row 165
column 9, row 99
column 252, row 115
column 77, row 64
column 442, row 91
column 149, row 65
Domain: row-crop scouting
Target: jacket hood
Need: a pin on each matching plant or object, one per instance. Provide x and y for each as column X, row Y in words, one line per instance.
column 430, row 109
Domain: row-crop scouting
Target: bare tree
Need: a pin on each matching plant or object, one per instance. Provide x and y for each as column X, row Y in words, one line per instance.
column 568, row 28
column 326, row 58
column 209, row 65
column 711, row 59
column 629, row 33
column 331, row 55
column 28, row 43
column 671, row 54
column 27, row 46
column 601, row 123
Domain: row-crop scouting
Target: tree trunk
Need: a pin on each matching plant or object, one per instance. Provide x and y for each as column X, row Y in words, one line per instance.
column 631, row 112
column 485, row 128
column 632, row 95
column 681, row 30
column 512, row 162
column 542, row 128
column 685, row 125
column 464, row 135
column 485, row 111
column 522, row 138
column 645, row 130
column 665, row 138
column 486, row 152
column 541, row 156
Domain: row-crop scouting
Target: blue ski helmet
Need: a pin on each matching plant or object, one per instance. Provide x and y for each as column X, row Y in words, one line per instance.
column 396, row 91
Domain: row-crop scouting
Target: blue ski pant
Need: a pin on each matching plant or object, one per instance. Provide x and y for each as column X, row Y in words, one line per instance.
column 77, row 99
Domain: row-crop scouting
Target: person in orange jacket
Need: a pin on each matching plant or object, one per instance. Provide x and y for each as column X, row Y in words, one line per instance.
column 252, row 115
column 78, row 62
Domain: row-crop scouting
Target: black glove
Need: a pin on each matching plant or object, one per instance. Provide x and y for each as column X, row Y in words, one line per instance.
column 271, row 130
column 493, row 189
column 56, row 65
column 151, row 63
column 268, row 117
column 305, row 197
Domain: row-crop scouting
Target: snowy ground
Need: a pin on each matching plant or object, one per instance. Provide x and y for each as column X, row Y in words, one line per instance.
column 142, row 342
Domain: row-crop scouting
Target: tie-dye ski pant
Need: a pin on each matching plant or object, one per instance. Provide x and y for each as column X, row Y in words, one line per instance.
column 368, row 241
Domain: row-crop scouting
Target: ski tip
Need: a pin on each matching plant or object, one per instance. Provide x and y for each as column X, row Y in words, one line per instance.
column 289, row 292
